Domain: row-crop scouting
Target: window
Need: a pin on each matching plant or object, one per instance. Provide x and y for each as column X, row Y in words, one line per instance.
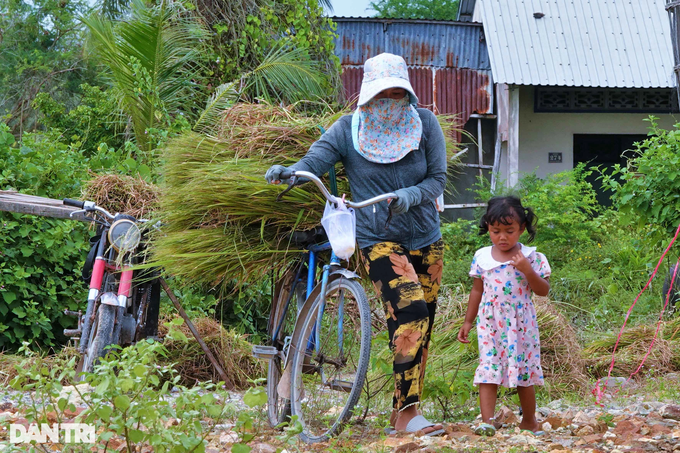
column 564, row 99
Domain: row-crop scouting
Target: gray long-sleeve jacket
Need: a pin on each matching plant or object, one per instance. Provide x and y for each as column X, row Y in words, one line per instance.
column 424, row 168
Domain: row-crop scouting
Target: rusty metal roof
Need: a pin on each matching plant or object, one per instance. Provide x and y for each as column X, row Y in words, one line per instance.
column 449, row 65
column 589, row 43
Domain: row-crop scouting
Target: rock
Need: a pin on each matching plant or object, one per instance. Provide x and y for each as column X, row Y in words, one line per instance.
column 615, row 382
column 406, row 448
column 262, row 448
column 585, row 431
column 6, row 406
column 544, row 411
column 593, row 438
column 69, row 392
column 506, row 416
column 555, row 421
column 671, row 411
column 524, row 440
column 547, row 427
column 555, row 405
column 228, row 438
column 609, row 435
column 626, row 427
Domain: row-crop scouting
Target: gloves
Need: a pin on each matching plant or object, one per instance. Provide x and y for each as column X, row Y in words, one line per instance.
column 408, row 197
column 274, row 174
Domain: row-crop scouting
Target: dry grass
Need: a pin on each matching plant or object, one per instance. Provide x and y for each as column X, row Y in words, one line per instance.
column 231, row 349
column 222, row 223
column 632, row 348
column 125, row 194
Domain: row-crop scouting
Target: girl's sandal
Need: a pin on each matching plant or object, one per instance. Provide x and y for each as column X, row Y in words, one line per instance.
column 485, row 429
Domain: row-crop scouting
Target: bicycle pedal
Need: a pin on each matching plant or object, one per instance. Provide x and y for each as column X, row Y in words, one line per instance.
column 264, row 352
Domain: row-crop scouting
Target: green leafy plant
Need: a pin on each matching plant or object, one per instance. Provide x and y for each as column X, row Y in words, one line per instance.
column 647, row 191
column 127, row 399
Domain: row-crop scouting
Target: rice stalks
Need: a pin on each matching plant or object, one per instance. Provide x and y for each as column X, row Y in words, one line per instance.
column 125, row 194
column 232, row 351
column 222, row 225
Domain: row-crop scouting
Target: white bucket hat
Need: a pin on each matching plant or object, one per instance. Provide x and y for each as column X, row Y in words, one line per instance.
column 382, row 72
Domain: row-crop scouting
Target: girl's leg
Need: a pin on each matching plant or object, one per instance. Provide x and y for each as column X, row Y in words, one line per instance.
column 527, row 399
column 487, row 401
column 394, row 277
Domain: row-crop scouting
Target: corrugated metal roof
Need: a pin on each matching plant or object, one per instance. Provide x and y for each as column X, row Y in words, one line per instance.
column 449, row 66
column 590, row 43
column 444, row 44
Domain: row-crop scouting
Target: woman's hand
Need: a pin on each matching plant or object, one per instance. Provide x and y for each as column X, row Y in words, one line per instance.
column 521, row 263
column 464, row 331
column 273, row 175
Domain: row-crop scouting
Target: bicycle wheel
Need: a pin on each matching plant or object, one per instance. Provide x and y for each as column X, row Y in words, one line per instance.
column 330, row 360
column 278, row 407
column 100, row 337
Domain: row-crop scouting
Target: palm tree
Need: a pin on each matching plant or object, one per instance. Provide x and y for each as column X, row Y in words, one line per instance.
column 150, row 60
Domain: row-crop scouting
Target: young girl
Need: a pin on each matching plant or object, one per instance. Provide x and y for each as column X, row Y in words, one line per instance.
column 505, row 277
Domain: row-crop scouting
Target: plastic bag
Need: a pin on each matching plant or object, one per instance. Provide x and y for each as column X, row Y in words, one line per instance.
column 340, row 226
column 439, row 203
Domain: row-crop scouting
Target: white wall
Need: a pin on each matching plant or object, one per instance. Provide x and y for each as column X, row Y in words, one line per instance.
column 540, row 133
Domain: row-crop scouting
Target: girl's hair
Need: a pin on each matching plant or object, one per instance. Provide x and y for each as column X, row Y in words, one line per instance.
column 506, row 209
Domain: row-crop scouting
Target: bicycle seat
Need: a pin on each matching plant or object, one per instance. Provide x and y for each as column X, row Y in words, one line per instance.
column 316, row 235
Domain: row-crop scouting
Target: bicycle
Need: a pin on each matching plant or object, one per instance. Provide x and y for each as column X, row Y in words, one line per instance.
column 319, row 356
column 122, row 304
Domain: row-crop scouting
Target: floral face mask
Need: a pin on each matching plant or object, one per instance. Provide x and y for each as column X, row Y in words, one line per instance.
column 385, row 130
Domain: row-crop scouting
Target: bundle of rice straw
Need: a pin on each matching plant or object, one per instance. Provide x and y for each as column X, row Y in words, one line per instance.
column 124, row 194
column 222, row 223
column 232, row 351
column 632, row 348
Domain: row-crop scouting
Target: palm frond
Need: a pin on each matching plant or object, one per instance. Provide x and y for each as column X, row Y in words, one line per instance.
column 224, row 97
column 287, row 75
column 151, row 59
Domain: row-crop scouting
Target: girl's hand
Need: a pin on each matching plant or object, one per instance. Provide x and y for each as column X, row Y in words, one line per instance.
column 464, row 331
column 521, row 263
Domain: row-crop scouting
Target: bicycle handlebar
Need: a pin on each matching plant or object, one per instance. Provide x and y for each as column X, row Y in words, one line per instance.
column 293, row 175
column 85, row 207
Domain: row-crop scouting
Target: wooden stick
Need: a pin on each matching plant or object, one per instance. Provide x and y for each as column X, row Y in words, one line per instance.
column 30, row 204
column 205, row 348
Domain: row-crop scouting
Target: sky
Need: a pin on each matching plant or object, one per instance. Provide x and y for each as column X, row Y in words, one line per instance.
column 351, row 8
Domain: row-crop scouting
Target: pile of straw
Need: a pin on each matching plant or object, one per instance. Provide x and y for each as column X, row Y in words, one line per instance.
column 232, row 351
column 633, row 346
column 222, row 223
column 125, row 194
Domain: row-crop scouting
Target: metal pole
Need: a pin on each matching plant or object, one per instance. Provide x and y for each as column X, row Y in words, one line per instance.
column 673, row 8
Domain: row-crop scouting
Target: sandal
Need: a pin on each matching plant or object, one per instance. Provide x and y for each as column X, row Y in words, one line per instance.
column 485, row 429
column 417, row 423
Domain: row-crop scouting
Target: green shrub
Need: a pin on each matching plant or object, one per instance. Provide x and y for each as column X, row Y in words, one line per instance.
column 598, row 264
column 97, row 119
column 647, row 191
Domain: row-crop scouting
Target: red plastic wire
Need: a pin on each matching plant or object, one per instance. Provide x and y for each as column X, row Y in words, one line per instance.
column 599, row 392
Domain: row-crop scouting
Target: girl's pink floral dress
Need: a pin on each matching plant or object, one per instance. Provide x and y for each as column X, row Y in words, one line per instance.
column 507, row 332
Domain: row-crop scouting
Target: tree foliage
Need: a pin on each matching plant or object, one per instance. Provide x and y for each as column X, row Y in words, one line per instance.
column 417, row 9
column 246, row 32
column 40, row 48
column 151, row 59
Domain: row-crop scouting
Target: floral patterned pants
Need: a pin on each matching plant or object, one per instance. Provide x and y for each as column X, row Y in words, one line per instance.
column 408, row 282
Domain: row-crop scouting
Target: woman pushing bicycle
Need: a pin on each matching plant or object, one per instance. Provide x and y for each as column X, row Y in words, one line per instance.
column 389, row 145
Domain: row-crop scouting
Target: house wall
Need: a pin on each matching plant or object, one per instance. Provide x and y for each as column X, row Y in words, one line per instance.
column 541, row 133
